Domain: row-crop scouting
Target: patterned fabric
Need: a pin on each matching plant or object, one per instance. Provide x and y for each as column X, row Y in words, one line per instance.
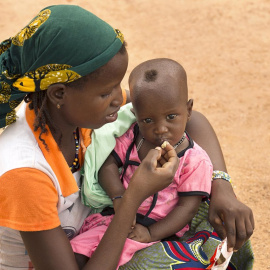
column 61, row 44
column 192, row 251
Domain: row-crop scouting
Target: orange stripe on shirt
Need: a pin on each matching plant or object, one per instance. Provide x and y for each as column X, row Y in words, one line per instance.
column 54, row 157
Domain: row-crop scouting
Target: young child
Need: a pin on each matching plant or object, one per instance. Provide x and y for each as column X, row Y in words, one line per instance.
column 160, row 103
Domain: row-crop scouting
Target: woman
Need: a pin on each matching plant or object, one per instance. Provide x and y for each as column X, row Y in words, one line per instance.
column 67, row 65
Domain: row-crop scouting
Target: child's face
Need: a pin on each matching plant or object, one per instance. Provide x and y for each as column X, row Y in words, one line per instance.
column 161, row 114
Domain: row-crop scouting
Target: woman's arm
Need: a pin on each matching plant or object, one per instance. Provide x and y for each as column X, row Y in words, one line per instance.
column 228, row 216
column 51, row 249
column 202, row 133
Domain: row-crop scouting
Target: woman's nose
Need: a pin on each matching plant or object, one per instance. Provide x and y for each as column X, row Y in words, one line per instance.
column 117, row 96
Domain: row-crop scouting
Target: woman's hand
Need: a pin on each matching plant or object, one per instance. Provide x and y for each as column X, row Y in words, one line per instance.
column 229, row 217
column 149, row 178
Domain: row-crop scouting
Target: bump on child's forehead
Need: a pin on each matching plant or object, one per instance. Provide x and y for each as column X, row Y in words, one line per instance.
column 150, row 75
column 157, row 71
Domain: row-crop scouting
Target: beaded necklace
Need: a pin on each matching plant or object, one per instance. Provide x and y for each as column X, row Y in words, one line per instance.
column 75, row 165
column 175, row 146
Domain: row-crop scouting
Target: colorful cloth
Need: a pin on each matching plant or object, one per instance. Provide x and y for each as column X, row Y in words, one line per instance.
column 192, row 251
column 61, row 44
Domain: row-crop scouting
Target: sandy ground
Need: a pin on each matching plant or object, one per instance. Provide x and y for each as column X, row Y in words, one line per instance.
column 224, row 47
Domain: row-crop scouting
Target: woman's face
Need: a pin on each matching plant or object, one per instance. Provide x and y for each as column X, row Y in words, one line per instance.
column 100, row 98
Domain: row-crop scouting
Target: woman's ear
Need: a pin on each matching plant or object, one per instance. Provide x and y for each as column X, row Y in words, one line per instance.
column 189, row 108
column 56, row 94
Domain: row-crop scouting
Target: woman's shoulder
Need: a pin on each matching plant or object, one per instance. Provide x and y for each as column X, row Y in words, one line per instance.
column 18, row 146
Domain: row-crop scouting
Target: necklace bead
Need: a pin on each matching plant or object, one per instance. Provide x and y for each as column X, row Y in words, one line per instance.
column 181, row 141
column 75, row 164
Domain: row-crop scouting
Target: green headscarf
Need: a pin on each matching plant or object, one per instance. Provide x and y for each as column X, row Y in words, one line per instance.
column 61, row 44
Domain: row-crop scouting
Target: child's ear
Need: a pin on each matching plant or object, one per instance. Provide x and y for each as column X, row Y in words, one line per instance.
column 189, row 108
column 132, row 110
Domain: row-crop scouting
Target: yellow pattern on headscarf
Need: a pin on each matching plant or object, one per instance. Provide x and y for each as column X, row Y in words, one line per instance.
column 44, row 76
column 5, row 45
column 119, row 35
column 13, row 104
column 5, row 92
column 11, row 117
column 28, row 31
column 10, row 77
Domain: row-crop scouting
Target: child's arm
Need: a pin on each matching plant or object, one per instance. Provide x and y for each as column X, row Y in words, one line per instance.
column 176, row 220
column 109, row 179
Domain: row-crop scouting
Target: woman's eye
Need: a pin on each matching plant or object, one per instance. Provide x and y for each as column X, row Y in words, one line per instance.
column 106, row 95
column 171, row 116
column 147, row 120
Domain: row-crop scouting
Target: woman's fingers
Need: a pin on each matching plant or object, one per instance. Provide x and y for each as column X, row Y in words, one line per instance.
column 250, row 226
column 244, row 229
column 238, row 231
column 230, row 226
column 236, row 225
column 149, row 178
column 218, row 226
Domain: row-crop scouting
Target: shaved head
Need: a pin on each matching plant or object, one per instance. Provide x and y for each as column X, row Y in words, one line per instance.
column 159, row 71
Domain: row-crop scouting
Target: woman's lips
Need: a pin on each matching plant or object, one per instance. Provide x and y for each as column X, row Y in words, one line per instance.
column 112, row 117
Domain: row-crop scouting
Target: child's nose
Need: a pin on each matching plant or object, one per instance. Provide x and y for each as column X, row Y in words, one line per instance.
column 161, row 129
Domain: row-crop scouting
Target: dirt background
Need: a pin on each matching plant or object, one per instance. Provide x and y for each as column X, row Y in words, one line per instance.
column 224, row 47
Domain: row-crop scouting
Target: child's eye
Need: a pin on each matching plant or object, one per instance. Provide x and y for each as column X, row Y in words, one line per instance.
column 171, row 116
column 147, row 120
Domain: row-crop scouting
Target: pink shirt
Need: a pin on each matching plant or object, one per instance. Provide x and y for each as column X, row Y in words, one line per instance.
column 193, row 176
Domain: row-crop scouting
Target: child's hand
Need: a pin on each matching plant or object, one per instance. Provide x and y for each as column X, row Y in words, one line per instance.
column 140, row 234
